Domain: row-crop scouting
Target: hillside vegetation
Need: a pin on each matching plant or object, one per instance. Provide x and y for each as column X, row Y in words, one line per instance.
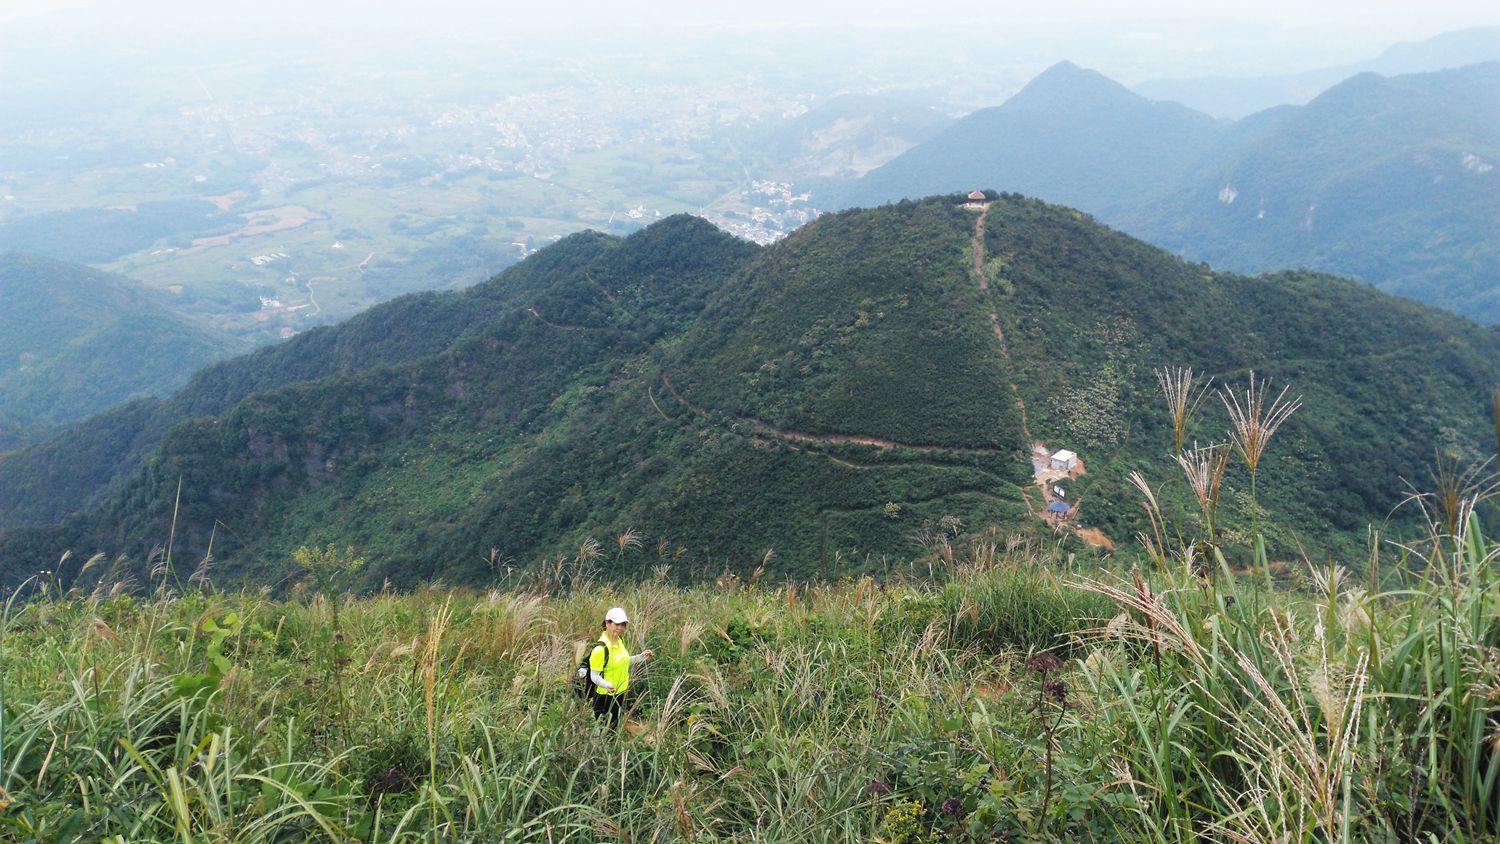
column 808, row 408
column 75, row 341
column 1389, row 181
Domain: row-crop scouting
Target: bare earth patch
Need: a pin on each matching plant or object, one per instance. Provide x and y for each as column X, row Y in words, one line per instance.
column 1095, row 538
column 225, row 201
column 261, row 222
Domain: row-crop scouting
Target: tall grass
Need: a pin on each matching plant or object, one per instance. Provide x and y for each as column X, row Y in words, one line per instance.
column 1011, row 695
column 1336, row 715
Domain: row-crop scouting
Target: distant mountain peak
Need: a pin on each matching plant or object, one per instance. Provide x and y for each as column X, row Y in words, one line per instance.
column 1067, row 89
column 1066, row 79
column 1063, row 67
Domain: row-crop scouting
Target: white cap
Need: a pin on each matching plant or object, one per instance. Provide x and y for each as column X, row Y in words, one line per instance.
column 617, row 615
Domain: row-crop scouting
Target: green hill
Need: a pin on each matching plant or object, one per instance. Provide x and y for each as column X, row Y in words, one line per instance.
column 74, row 341
column 96, row 235
column 824, row 400
column 1392, row 181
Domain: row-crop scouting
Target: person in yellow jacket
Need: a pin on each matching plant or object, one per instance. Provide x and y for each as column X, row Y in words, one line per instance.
column 609, row 666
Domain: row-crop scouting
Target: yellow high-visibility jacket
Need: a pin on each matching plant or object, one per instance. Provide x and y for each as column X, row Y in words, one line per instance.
column 616, row 670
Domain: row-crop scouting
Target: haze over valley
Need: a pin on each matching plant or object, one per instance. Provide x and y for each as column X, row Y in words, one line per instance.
column 272, row 172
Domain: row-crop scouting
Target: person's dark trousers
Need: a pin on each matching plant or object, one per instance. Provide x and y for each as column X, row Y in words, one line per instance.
column 607, row 705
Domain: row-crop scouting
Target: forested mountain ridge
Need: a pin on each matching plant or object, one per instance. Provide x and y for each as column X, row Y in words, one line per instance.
column 1393, row 181
column 75, row 341
column 1235, row 97
column 811, row 406
column 46, row 482
column 261, row 423
column 1389, row 180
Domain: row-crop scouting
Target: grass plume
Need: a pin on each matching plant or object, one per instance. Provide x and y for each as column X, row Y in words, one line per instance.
column 1184, row 396
column 1254, row 420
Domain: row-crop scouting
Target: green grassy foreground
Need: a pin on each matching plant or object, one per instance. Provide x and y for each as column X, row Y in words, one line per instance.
column 1010, row 696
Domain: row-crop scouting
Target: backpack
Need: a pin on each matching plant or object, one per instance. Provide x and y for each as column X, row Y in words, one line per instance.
column 582, row 685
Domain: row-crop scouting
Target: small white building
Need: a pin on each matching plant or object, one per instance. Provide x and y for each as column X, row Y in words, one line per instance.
column 1064, row 460
column 976, row 199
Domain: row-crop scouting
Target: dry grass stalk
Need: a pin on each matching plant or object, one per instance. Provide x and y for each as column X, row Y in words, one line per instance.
column 713, row 684
column 1184, row 397
column 686, row 828
column 1159, row 626
column 88, row 565
column 435, row 629
column 156, row 565
column 610, row 829
column 1302, row 750
column 1453, row 489
column 983, row 554
column 585, row 564
column 100, row 629
column 627, row 540
column 1204, row 468
column 691, row 631
column 1155, row 548
column 1254, row 421
column 508, row 621
column 932, row 638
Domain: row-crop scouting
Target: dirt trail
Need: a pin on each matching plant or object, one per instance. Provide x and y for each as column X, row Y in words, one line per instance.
column 1092, row 536
column 613, row 300
column 563, row 326
column 977, row 249
column 767, row 429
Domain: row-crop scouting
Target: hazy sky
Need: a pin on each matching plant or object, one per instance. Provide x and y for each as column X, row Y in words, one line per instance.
column 1416, row 18
column 1131, row 41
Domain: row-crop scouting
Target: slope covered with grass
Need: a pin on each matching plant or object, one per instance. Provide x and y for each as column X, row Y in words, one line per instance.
column 978, row 693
